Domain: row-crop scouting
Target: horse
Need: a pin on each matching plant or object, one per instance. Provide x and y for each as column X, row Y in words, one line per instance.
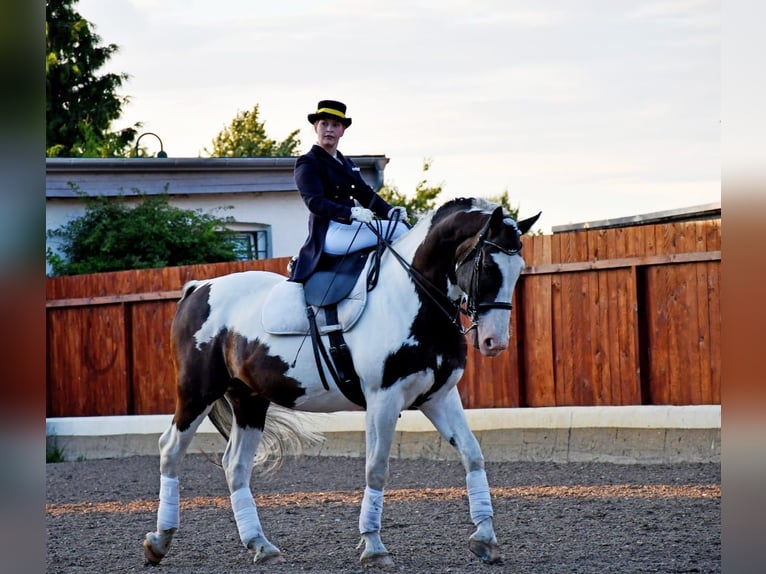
column 408, row 348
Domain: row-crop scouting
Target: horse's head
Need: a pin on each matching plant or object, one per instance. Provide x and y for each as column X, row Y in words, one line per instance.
column 487, row 265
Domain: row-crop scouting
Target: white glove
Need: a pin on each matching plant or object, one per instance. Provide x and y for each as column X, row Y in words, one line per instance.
column 361, row 214
column 398, row 213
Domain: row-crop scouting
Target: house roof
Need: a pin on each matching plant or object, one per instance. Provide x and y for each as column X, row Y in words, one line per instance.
column 184, row 176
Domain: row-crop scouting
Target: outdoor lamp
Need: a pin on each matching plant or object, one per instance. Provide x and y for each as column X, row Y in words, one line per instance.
column 160, row 153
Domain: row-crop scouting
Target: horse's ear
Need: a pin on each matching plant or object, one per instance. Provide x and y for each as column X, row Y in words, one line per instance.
column 526, row 224
column 496, row 219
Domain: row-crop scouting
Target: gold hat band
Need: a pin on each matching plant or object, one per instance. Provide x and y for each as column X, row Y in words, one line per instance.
column 331, row 111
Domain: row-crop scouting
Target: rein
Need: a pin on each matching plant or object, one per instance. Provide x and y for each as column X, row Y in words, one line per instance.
column 451, row 309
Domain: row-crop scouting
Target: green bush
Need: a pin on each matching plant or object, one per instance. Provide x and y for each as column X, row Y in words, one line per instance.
column 113, row 236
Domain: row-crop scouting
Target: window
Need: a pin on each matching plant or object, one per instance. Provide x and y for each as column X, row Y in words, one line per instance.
column 253, row 245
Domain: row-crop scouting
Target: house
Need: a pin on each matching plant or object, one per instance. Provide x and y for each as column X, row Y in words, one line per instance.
column 259, row 193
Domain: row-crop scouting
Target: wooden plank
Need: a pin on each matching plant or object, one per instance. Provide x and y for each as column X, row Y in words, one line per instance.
column 507, row 365
column 599, row 337
column 629, row 378
column 650, row 241
column 88, row 363
column 714, row 310
column 634, row 243
column 557, row 322
column 582, row 345
column 703, row 339
column 538, row 360
column 657, row 336
column 154, row 384
column 569, row 386
column 712, row 230
column 703, row 316
column 684, row 348
column 616, row 251
column 690, row 377
column 112, row 299
column 609, row 319
column 672, row 258
column 626, row 383
column 530, row 245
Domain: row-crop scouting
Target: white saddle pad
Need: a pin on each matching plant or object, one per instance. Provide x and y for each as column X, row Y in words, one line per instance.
column 284, row 311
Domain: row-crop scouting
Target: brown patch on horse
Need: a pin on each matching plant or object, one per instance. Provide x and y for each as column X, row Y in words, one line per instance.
column 202, row 376
column 447, row 235
column 251, row 363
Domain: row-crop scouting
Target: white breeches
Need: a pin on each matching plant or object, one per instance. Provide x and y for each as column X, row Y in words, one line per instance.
column 345, row 238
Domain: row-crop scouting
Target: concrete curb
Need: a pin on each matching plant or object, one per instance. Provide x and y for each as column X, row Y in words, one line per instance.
column 625, row 435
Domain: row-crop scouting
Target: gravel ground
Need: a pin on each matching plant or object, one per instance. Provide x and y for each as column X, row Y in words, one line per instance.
column 557, row 518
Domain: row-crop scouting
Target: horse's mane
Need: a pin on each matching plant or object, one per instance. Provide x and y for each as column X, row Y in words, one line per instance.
column 462, row 204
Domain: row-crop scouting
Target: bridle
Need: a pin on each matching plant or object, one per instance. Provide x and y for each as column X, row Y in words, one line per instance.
column 467, row 305
column 472, row 308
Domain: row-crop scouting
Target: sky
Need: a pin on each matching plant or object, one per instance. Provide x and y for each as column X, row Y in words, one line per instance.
column 584, row 110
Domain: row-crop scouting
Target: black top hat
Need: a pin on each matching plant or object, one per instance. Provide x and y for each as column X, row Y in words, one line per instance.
column 332, row 110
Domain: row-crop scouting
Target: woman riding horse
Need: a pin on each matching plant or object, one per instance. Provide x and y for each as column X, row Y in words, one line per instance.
column 329, row 183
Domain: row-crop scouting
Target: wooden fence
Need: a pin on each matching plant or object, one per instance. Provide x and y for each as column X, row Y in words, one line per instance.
column 619, row 316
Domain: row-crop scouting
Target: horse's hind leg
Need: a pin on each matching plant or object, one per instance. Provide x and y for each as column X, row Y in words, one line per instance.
column 173, row 445
column 448, row 416
column 238, row 461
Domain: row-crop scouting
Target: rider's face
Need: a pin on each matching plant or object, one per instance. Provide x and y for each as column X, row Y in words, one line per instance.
column 329, row 132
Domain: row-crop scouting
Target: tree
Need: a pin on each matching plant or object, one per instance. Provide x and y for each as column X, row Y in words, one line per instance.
column 112, row 236
column 505, row 200
column 80, row 105
column 425, row 196
column 423, row 201
column 246, row 137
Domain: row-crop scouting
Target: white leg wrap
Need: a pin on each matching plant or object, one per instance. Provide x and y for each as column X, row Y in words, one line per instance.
column 372, row 510
column 246, row 515
column 168, row 514
column 479, row 501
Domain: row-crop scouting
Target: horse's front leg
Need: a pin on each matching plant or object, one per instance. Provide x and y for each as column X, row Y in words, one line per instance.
column 380, row 427
column 448, row 417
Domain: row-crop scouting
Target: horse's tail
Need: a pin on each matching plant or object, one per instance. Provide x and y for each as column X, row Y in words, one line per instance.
column 287, row 432
column 189, row 288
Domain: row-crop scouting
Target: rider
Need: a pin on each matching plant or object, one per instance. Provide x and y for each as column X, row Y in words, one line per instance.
column 329, row 184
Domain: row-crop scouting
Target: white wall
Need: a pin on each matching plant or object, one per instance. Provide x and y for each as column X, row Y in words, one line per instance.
column 283, row 211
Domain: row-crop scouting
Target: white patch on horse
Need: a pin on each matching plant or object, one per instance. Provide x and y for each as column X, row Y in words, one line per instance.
column 236, row 313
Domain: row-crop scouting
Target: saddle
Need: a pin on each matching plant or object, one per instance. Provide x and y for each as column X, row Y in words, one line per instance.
column 340, row 281
column 335, row 278
column 329, row 303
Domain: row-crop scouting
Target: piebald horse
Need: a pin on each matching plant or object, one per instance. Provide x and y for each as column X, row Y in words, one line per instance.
column 408, row 348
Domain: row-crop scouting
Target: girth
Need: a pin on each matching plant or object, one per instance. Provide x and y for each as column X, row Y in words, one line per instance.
column 339, row 362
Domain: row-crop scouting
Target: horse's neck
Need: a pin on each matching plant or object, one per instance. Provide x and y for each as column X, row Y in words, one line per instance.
column 424, row 252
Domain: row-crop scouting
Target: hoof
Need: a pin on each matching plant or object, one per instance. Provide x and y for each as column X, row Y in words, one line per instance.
column 270, row 559
column 153, row 557
column 488, row 552
column 377, row 561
